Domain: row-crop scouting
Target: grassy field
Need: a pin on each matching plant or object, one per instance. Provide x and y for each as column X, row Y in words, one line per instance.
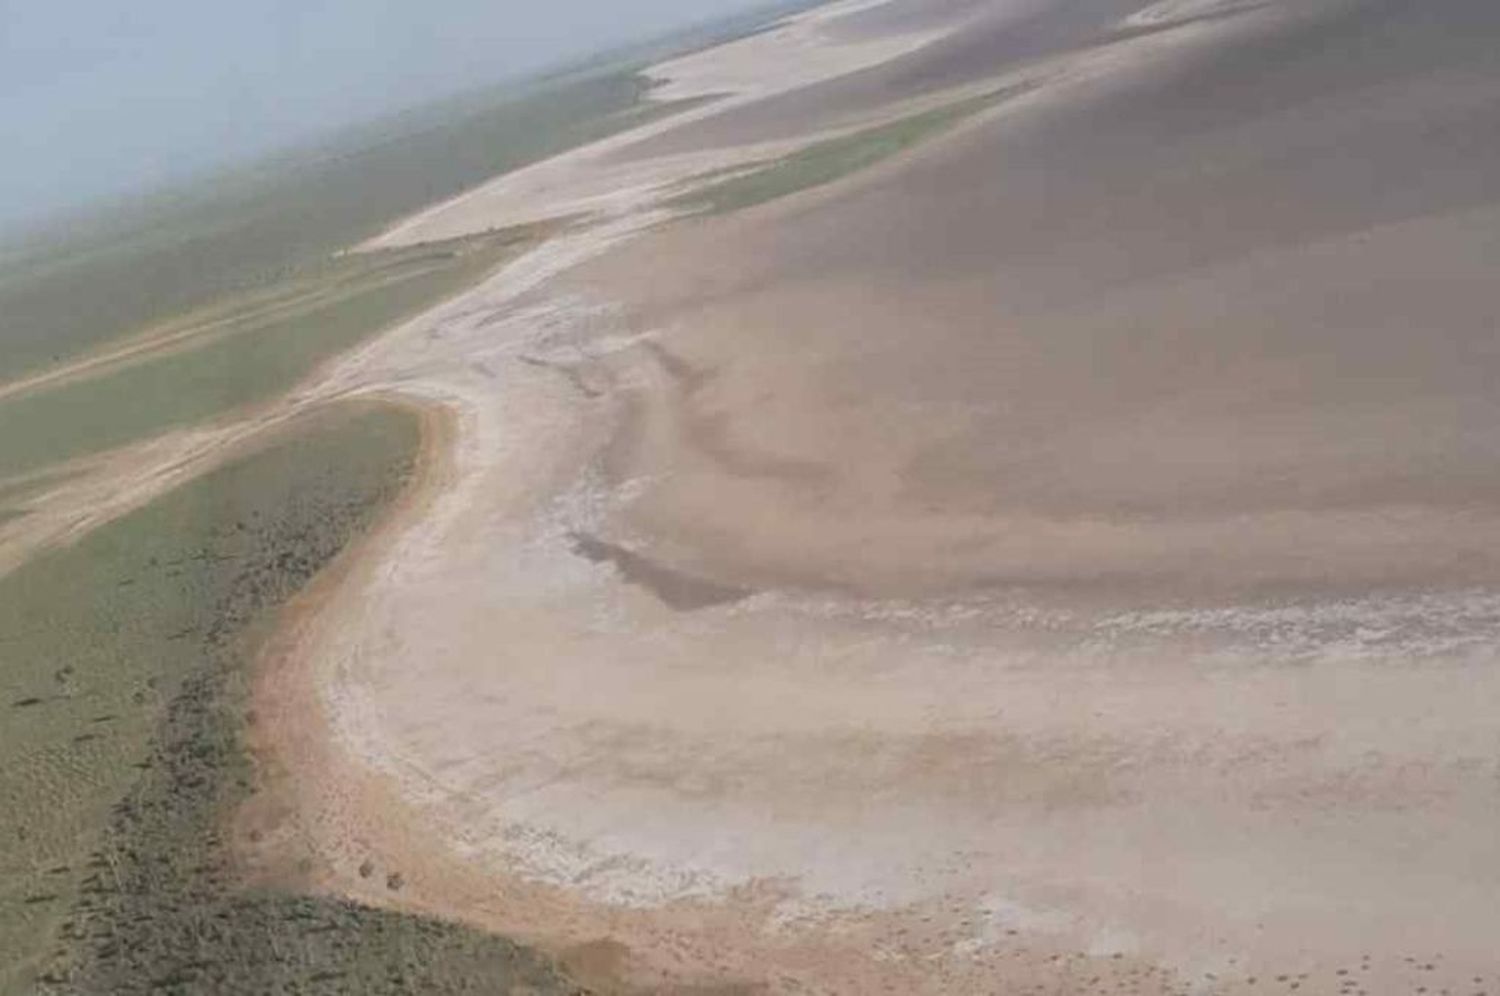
column 122, row 684
column 86, row 282
column 239, row 352
column 252, row 238
column 824, row 162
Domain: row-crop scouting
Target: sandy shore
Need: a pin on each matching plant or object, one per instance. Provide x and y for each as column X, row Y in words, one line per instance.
column 1045, row 562
column 603, row 180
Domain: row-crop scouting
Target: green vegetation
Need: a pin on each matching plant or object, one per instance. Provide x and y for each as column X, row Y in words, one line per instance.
column 97, row 638
column 244, row 351
column 123, row 676
column 93, row 280
column 824, row 162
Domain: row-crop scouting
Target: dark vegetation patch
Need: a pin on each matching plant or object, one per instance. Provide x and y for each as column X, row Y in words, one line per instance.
column 123, row 747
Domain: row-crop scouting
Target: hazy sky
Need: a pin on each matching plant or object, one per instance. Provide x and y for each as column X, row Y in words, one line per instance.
column 99, row 97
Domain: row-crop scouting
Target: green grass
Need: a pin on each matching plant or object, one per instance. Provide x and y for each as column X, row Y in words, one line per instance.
column 97, row 638
column 123, row 675
column 824, row 162
column 253, row 352
column 89, row 281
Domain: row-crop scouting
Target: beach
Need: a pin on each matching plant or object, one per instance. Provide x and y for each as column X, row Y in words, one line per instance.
column 1006, row 566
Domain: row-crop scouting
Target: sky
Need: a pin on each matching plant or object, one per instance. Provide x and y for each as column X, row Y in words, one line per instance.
column 100, row 98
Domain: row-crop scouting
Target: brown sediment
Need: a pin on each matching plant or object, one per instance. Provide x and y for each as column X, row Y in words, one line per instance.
column 1226, row 726
column 287, row 735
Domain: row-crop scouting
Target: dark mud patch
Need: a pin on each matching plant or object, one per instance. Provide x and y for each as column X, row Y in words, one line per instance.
column 676, row 589
column 578, row 375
